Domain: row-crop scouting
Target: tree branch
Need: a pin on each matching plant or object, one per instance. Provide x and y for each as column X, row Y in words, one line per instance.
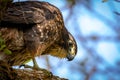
column 8, row 73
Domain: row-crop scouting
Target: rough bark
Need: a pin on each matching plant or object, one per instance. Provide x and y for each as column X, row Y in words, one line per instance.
column 8, row 73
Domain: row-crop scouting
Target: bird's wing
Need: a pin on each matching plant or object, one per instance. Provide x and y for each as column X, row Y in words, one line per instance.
column 27, row 12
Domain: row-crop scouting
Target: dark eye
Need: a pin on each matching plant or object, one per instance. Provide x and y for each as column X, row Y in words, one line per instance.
column 70, row 49
column 70, row 44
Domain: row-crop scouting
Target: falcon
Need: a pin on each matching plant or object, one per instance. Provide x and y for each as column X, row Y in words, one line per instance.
column 33, row 28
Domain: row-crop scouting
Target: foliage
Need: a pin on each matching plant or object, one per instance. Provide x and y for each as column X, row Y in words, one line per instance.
column 3, row 47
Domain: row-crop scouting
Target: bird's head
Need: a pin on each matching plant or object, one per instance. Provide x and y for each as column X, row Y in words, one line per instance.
column 66, row 48
column 71, row 47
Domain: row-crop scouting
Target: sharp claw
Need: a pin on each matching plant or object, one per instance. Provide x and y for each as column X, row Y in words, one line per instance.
column 22, row 65
column 35, row 65
column 25, row 66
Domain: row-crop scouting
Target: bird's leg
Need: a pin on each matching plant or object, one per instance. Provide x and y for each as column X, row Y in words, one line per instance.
column 35, row 65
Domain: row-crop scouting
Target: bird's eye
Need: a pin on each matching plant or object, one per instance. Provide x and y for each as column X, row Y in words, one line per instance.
column 70, row 44
column 70, row 49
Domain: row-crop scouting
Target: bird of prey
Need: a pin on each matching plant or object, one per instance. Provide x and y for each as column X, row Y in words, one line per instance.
column 34, row 28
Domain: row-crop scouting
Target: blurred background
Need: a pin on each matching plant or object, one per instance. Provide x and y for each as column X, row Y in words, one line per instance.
column 95, row 24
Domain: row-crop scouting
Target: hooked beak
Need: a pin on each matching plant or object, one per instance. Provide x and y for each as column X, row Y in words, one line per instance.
column 70, row 57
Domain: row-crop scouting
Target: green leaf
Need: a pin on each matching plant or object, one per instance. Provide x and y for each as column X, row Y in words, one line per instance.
column 2, row 47
column 1, row 41
column 7, row 51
